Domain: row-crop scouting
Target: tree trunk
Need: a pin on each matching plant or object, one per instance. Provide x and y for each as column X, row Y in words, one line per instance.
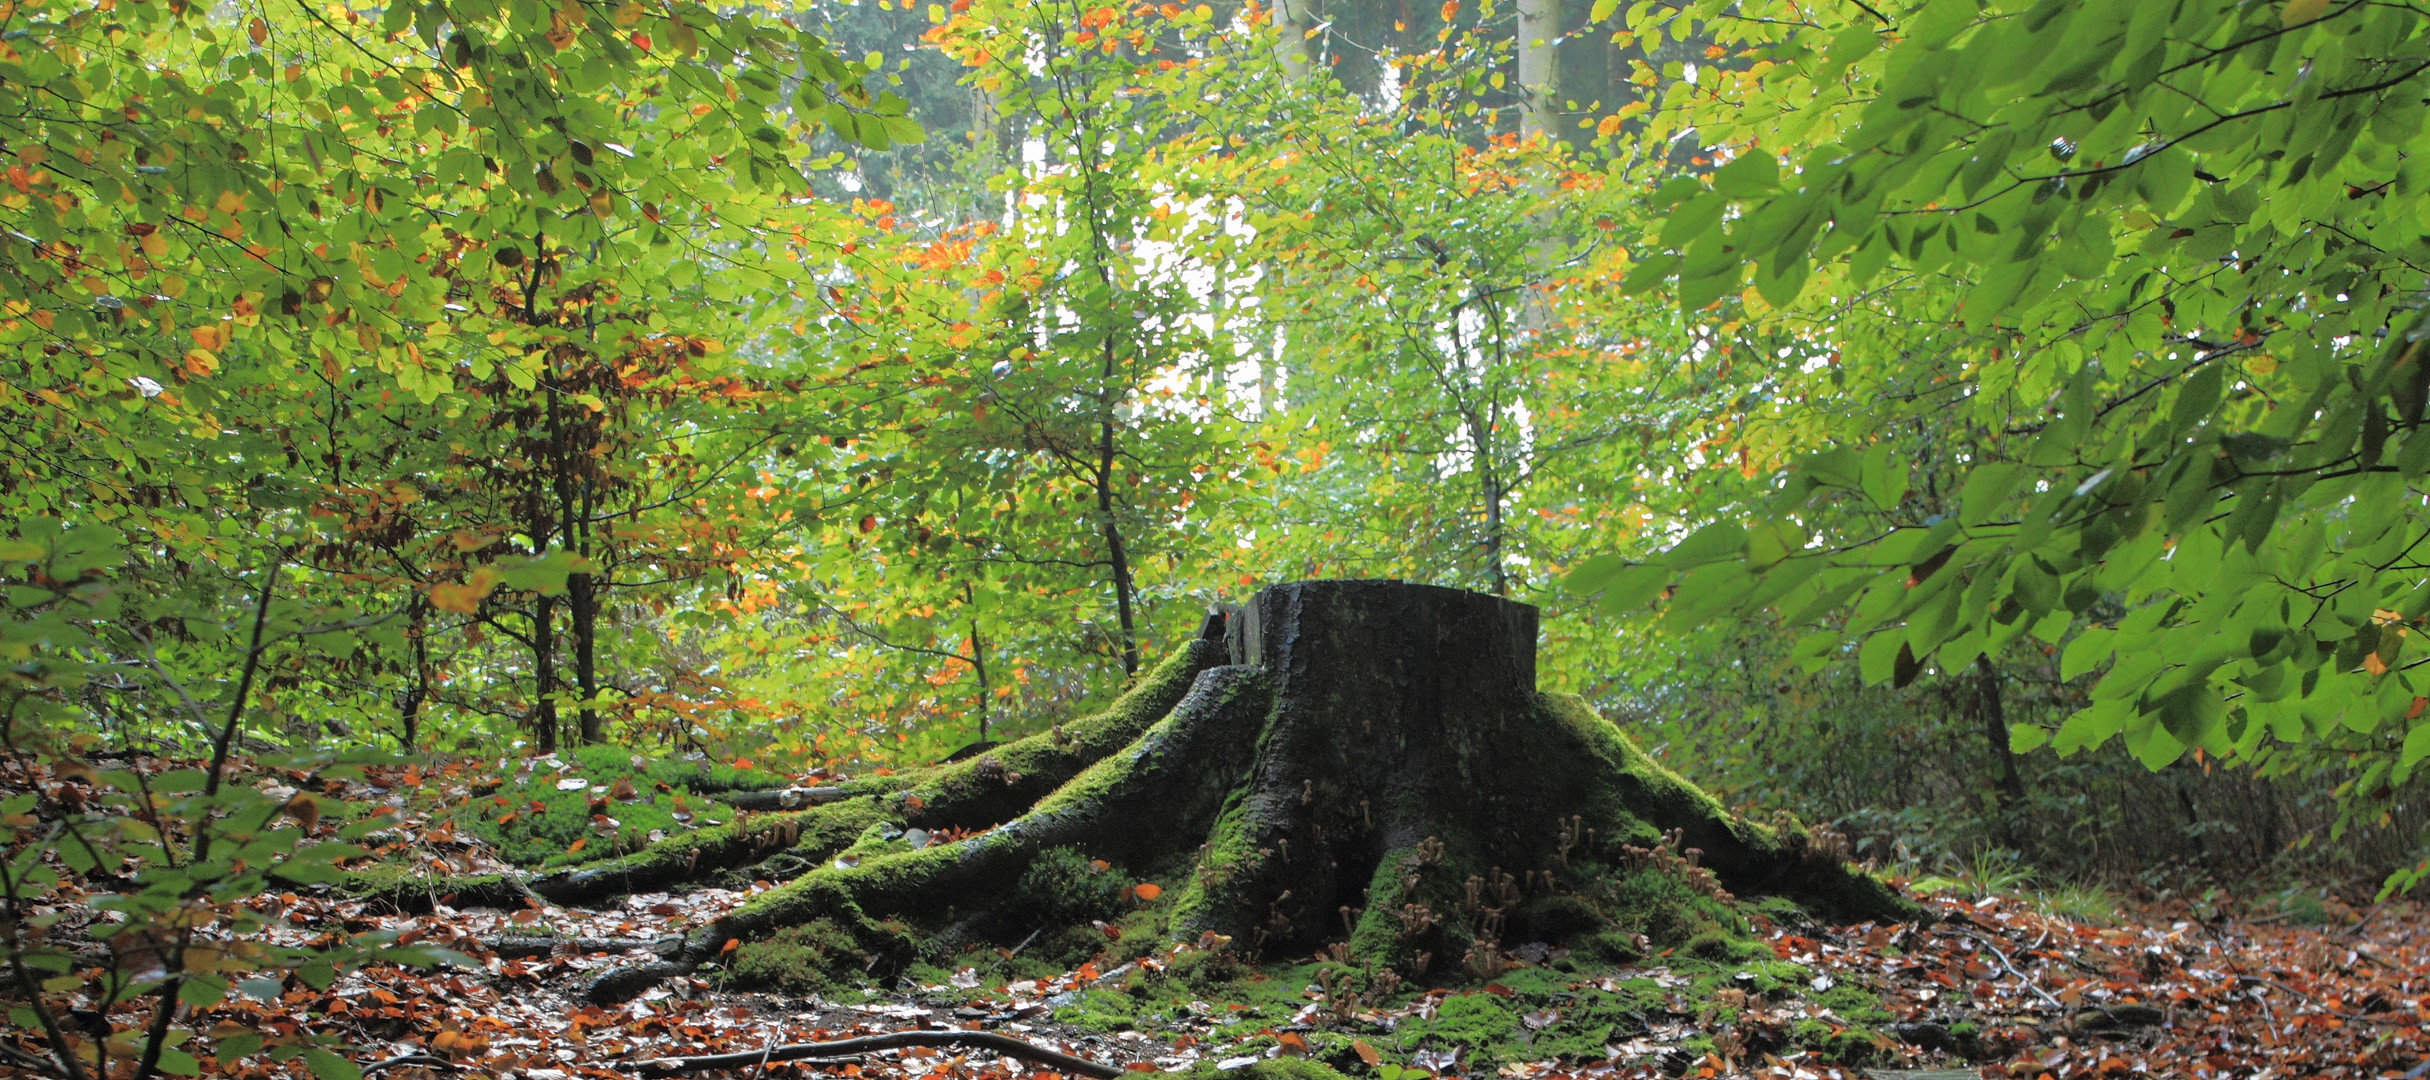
column 544, row 672
column 1539, row 68
column 1292, row 21
column 1995, row 732
column 1374, row 767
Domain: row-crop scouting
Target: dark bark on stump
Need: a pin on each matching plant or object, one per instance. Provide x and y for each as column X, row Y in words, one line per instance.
column 1374, row 748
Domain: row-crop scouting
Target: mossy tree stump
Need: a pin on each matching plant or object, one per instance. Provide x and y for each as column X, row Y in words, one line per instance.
column 1367, row 763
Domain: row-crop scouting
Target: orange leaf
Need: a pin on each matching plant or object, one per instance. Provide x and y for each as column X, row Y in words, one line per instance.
column 579, row 843
column 1366, row 1053
column 1147, row 890
column 730, row 945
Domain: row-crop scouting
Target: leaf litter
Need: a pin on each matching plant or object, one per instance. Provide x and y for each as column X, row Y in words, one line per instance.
column 1989, row 988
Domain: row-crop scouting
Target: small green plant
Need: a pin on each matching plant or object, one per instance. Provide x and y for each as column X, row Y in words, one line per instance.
column 2082, row 902
column 1993, row 871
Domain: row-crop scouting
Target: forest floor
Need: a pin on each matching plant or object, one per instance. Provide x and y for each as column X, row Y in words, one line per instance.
column 1991, row 988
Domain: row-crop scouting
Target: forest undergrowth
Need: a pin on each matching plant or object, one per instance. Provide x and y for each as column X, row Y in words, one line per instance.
column 1988, row 983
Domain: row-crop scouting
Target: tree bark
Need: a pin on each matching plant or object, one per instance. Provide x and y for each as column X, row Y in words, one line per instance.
column 1539, row 68
column 544, row 672
column 1375, row 766
column 1995, row 732
column 1293, row 19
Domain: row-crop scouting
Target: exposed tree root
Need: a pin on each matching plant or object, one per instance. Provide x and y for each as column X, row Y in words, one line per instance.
column 989, row 1041
column 975, row 793
column 1375, row 769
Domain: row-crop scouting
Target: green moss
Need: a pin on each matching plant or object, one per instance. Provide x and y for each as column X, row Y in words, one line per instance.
column 796, row 959
column 1853, row 1004
column 408, row 889
column 1004, row 782
column 1101, row 1011
column 1280, row 1068
column 534, row 822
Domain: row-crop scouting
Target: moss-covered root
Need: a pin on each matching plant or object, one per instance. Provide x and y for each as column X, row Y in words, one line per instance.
column 992, row 788
column 1281, row 1068
column 1158, row 795
column 978, row 793
column 1748, row 857
column 404, row 890
column 814, row 834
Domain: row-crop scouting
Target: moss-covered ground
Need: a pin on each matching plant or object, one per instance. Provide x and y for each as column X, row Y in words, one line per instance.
column 595, row 802
column 1661, row 961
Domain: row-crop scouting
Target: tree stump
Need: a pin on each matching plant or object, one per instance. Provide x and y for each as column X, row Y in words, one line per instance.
column 1361, row 763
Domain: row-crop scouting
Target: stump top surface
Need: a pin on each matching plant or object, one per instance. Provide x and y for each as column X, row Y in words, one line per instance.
column 1331, row 621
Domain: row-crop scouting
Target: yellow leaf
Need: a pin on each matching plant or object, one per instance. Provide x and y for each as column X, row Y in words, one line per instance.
column 200, row 362
column 630, row 14
column 466, row 598
column 2301, row 11
column 229, row 202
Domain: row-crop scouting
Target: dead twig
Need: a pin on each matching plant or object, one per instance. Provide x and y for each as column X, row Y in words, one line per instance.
column 425, row 1061
column 1005, row 1045
column 2012, row 970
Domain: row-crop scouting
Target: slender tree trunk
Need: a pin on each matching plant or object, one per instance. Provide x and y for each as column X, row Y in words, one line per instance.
column 1116, row 558
column 409, row 709
column 978, row 663
column 544, row 672
column 1995, row 732
column 1293, row 19
column 582, row 593
column 1539, row 68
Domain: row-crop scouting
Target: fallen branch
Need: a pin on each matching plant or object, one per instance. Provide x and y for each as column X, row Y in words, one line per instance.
column 1005, row 1045
column 792, row 798
column 526, row 947
column 426, row 1061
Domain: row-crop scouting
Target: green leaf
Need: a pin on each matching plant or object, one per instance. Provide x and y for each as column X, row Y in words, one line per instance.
column 2417, row 747
column 1590, row 577
column 2026, row 738
column 176, row 1062
column 1885, row 477
column 1713, row 543
column 1602, row 10
column 1877, row 659
column 2302, row 11
column 2198, row 397
column 1633, row 588
column 2156, row 749
column 329, row 1066
column 1986, row 491
column 236, row 1046
column 2087, row 652
column 1752, row 173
